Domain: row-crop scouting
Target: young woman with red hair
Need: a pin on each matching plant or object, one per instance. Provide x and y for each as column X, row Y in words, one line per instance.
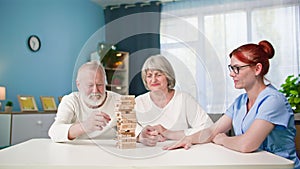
column 261, row 118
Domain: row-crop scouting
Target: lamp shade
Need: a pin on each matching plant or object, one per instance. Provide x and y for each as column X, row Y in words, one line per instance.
column 2, row 93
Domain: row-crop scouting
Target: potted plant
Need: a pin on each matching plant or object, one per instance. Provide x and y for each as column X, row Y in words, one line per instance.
column 8, row 106
column 291, row 89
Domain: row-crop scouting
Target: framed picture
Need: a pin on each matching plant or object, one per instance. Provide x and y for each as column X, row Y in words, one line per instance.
column 27, row 103
column 48, row 103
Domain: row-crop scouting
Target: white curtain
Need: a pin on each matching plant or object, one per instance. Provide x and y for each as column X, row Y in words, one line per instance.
column 197, row 36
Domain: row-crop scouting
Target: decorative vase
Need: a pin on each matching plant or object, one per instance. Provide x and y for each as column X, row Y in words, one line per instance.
column 8, row 109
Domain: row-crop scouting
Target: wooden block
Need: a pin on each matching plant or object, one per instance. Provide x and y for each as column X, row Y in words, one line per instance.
column 127, row 97
column 127, row 126
column 126, row 145
column 127, row 138
column 124, row 107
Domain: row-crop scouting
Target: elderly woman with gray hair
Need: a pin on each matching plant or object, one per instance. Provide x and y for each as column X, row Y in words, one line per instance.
column 163, row 107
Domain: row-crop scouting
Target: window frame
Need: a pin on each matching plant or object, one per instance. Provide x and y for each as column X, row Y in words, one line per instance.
column 248, row 8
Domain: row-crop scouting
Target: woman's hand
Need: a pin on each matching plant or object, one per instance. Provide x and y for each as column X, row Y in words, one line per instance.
column 148, row 136
column 218, row 139
column 160, row 129
column 185, row 143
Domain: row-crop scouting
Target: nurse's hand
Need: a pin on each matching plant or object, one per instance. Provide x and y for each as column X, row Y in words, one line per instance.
column 218, row 139
column 185, row 143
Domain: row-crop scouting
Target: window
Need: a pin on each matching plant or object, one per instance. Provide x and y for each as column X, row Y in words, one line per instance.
column 197, row 39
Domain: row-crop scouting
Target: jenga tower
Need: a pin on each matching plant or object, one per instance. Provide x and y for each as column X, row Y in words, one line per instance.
column 126, row 122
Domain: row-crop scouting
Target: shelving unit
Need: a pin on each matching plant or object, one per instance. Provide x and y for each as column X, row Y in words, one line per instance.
column 117, row 72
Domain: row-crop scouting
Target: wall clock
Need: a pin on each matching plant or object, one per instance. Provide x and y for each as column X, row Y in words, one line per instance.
column 34, row 43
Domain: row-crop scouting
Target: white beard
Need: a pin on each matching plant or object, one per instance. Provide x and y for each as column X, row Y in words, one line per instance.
column 94, row 99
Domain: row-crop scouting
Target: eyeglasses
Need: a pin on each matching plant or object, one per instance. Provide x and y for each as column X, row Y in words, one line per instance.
column 236, row 69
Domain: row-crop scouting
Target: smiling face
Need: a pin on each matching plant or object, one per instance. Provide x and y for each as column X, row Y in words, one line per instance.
column 156, row 80
column 161, row 65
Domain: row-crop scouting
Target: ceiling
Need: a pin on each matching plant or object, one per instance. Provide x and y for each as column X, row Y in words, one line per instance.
column 105, row 3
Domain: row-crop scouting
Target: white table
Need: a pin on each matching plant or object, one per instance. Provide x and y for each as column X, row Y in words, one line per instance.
column 45, row 154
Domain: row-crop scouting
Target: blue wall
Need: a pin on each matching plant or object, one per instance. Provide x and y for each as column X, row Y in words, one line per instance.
column 63, row 27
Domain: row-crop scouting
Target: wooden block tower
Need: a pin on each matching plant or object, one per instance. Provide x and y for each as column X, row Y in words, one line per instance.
column 126, row 122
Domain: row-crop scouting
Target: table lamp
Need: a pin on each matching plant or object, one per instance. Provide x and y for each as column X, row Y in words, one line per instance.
column 2, row 96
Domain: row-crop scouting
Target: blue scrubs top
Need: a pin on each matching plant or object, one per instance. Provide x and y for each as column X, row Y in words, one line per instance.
column 272, row 106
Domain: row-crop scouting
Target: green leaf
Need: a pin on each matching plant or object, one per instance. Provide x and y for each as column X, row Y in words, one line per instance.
column 297, row 100
column 294, row 92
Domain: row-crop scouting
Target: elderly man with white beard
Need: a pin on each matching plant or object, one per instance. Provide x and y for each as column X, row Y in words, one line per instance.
column 88, row 112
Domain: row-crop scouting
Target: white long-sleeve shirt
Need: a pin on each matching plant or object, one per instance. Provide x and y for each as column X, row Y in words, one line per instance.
column 72, row 110
column 181, row 113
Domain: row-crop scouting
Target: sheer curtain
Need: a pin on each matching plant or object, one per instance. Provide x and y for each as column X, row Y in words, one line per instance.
column 197, row 36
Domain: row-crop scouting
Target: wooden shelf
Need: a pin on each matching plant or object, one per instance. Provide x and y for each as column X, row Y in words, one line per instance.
column 117, row 78
column 115, row 69
column 113, row 85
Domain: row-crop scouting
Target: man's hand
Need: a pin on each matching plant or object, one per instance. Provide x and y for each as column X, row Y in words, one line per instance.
column 96, row 121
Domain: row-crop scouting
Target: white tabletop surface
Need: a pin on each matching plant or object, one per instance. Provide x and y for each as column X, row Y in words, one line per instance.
column 44, row 154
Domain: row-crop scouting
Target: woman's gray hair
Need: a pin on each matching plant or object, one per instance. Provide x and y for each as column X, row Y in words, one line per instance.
column 159, row 62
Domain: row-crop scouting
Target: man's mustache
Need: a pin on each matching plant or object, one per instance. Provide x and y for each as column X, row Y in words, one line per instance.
column 95, row 94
